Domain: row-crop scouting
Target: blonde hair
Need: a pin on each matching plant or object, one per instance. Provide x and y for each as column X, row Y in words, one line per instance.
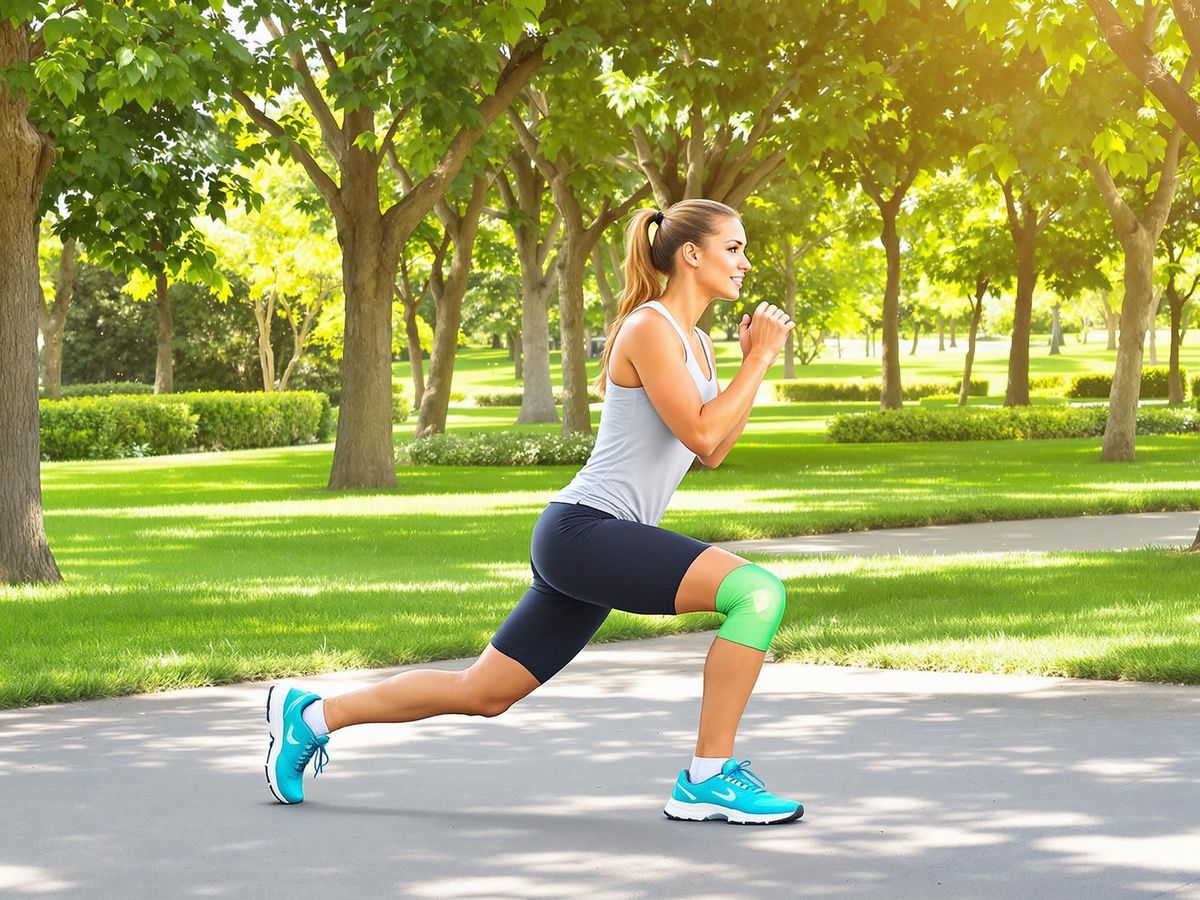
column 647, row 261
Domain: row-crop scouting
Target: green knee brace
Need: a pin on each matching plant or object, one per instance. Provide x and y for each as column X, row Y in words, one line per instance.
column 753, row 601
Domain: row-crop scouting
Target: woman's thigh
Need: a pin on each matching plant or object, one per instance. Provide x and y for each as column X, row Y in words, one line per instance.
column 610, row 562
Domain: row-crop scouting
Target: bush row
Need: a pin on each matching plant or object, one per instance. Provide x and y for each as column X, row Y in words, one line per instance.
column 825, row 391
column 1001, row 423
column 502, row 448
column 1154, row 383
column 114, row 427
column 513, row 398
column 106, row 389
column 118, row 426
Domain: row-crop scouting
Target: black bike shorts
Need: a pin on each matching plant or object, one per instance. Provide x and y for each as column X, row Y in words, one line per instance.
column 585, row 562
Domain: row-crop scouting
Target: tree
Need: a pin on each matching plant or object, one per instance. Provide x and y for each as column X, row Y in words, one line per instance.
column 372, row 75
column 56, row 302
column 288, row 260
column 536, row 226
column 589, row 197
column 1180, row 235
column 67, row 72
column 916, row 68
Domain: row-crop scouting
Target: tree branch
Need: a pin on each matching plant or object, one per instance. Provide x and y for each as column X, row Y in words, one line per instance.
column 320, row 178
column 331, row 131
column 404, row 215
column 649, row 167
column 1123, row 216
column 1149, row 69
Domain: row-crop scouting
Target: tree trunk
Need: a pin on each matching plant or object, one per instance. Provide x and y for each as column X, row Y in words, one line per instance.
column 572, row 257
column 1174, row 381
column 1110, row 323
column 976, row 314
column 1017, row 392
column 164, row 370
column 916, row 337
column 941, row 327
column 54, row 322
column 416, row 357
column 1119, row 431
column 363, row 454
column 1056, row 330
column 537, row 395
column 789, row 301
column 890, row 394
column 1153, row 329
column 24, row 553
column 435, row 402
column 1195, row 548
column 515, row 354
column 608, row 299
column 953, row 329
column 867, row 341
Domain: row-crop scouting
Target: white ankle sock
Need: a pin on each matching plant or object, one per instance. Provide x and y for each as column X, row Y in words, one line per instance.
column 704, row 767
column 314, row 717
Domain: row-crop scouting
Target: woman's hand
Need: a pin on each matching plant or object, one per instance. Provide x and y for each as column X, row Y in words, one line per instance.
column 766, row 332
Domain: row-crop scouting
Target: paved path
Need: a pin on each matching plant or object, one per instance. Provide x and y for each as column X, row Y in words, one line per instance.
column 917, row 784
column 1123, row 532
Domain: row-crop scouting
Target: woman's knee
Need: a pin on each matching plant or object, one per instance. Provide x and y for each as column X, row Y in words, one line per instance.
column 753, row 601
column 494, row 683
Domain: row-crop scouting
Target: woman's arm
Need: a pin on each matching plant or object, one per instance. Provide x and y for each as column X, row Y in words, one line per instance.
column 715, row 458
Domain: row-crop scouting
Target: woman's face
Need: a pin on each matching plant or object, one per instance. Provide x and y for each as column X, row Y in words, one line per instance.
column 722, row 262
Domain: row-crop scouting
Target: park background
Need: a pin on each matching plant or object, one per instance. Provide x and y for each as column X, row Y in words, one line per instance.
column 308, row 330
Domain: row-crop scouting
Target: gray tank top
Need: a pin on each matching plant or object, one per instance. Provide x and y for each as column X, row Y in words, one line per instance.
column 637, row 462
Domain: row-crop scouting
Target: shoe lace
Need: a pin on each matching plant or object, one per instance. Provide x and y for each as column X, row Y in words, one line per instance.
column 743, row 777
column 322, row 757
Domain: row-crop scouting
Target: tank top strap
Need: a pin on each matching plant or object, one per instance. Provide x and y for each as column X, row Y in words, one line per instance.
column 687, row 347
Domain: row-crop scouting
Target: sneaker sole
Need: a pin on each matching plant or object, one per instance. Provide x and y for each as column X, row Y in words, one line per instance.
column 703, row 812
column 272, row 750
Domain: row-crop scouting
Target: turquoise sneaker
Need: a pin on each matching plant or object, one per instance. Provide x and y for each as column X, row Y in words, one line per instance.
column 292, row 744
column 734, row 794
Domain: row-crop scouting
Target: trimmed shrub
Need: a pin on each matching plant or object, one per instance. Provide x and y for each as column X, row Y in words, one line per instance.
column 1047, row 383
column 501, row 448
column 830, row 391
column 230, row 420
column 1154, row 383
column 998, row 424
column 1196, row 387
column 106, row 389
column 114, row 427
column 513, row 398
column 401, row 406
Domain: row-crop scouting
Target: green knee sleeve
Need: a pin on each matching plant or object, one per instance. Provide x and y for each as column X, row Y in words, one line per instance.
column 753, row 601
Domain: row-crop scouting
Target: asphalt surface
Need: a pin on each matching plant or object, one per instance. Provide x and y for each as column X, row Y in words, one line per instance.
column 1122, row 532
column 916, row 784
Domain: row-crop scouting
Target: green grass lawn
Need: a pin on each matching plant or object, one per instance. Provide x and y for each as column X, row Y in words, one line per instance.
column 209, row 568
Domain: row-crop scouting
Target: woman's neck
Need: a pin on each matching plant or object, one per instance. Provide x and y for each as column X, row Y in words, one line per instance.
column 685, row 303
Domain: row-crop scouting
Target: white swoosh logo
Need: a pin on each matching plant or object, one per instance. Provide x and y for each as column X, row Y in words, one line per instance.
column 723, row 797
column 290, row 739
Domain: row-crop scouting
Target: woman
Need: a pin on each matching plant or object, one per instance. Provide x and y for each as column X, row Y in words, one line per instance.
column 663, row 409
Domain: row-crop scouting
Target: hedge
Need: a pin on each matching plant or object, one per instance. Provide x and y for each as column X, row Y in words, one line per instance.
column 231, row 420
column 826, row 391
column 106, row 389
column 1195, row 386
column 1001, row 423
column 502, row 448
column 1154, row 383
column 114, row 427
column 514, row 398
